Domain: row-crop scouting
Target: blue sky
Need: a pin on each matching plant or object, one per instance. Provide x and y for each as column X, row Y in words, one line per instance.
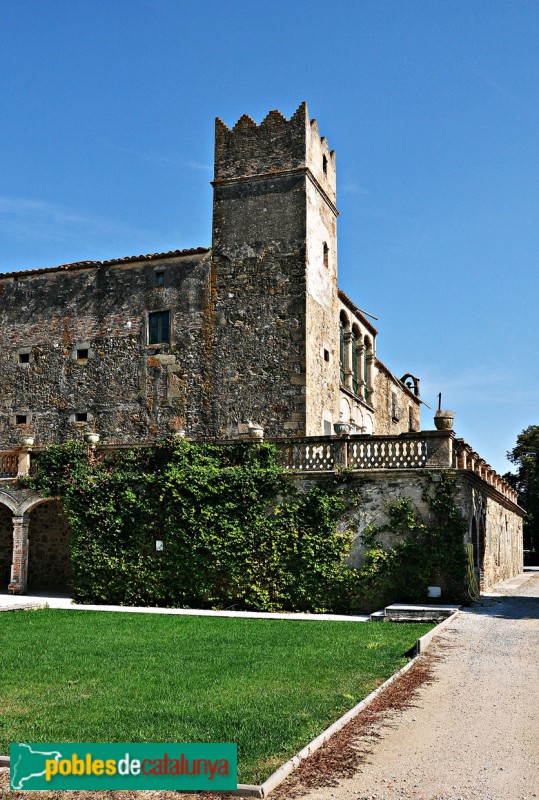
column 432, row 108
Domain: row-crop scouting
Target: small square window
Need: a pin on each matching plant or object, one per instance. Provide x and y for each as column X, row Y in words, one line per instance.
column 326, row 355
column 82, row 353
column 81, row 416
column 21, row 419
column 158, row 327
column 159, row 279
column 24, row 358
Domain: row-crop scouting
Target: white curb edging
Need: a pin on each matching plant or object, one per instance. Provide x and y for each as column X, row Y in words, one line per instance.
column 262, row 791
column 423, row 643
column 274, row 780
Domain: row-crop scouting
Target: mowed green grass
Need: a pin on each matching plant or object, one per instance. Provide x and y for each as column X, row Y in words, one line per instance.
column 271, row 686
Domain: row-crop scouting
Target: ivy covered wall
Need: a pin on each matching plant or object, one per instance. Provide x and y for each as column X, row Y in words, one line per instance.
column 237, row 532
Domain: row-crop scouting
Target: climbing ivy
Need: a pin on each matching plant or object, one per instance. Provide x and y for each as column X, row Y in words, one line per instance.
column 236, row 532
column 420, row 552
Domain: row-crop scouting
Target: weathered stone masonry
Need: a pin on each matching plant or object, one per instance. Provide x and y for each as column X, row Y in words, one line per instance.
column 209, row 341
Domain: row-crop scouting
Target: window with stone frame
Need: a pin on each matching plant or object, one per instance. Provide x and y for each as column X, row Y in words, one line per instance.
column 368, row 365
column 158, row 327
column 342, row 349
column 356, row 353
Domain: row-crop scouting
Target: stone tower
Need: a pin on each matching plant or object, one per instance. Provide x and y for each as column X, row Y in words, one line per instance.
column 271, row 327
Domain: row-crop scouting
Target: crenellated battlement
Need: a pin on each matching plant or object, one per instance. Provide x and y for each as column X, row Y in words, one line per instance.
column 275, row 145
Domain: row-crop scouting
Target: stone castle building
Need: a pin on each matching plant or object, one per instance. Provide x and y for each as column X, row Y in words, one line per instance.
column 253, row 331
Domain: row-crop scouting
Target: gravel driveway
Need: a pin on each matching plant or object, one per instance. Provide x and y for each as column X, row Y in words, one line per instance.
column 474, row 731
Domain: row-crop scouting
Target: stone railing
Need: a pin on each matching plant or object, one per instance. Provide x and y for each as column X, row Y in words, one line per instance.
column 9, row 465
column 407, row 451
column 417, row 450
column 465, row 458
column 425, row 449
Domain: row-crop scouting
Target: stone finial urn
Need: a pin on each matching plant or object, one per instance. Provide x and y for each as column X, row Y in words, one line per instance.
column 91, row 437
column 443, row 420
column 341, row 428
column 27, row 440
column 255, row 431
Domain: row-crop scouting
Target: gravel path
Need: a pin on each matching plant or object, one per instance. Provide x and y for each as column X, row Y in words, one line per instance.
column 473, row 732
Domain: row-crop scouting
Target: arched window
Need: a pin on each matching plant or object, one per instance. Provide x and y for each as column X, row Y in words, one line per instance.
column 367, row 369
column 344, row 355
column 356, row 353
column 325, row 165
column 342, row 349
column 326, row 255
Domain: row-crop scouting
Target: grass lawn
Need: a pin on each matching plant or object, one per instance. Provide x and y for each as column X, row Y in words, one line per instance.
column 269, row 685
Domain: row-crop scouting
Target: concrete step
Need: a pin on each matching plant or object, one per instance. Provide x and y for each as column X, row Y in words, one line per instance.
column 406, row 612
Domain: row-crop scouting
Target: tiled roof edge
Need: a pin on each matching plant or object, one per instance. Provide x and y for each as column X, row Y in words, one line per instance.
column 357, row 311
column 109, row 263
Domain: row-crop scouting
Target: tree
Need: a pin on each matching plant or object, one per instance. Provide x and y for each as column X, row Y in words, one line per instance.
column 525, row 456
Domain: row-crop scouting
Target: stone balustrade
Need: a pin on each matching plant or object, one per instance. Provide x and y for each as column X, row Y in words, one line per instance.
column 9, row 465
column 360, row 452
column 467, row 459
column 414, row 450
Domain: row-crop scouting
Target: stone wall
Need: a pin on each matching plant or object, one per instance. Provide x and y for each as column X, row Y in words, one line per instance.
column 397, row 409
column 254, row 323
column 6, row 545
column 495, row 530
column 494, row 524
column 49, row 560
column 272, row 296
column 130, row 391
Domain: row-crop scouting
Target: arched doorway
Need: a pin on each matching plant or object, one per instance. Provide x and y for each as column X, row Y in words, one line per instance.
column 6, row 546
column 49, row 558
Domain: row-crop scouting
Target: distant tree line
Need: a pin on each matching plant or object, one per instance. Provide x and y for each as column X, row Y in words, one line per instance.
column 525, row 457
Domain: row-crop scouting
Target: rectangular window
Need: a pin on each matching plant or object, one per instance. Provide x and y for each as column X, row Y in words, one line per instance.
column 158, row 327
column 24, row 358
column 21, row 419
column 394, row 407
column 82, row 352
column 81, row 416
column 159, row 279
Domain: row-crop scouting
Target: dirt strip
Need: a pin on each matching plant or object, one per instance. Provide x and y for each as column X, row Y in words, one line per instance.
column 473, row 731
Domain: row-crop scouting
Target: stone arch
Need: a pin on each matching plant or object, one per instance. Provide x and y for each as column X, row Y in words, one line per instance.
column 49, row 539
column 344, row 410
column 356, row 357
column 6, row 544
column 344, row 338
column 368, row 368
column 11, row 502
column 358, row 420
